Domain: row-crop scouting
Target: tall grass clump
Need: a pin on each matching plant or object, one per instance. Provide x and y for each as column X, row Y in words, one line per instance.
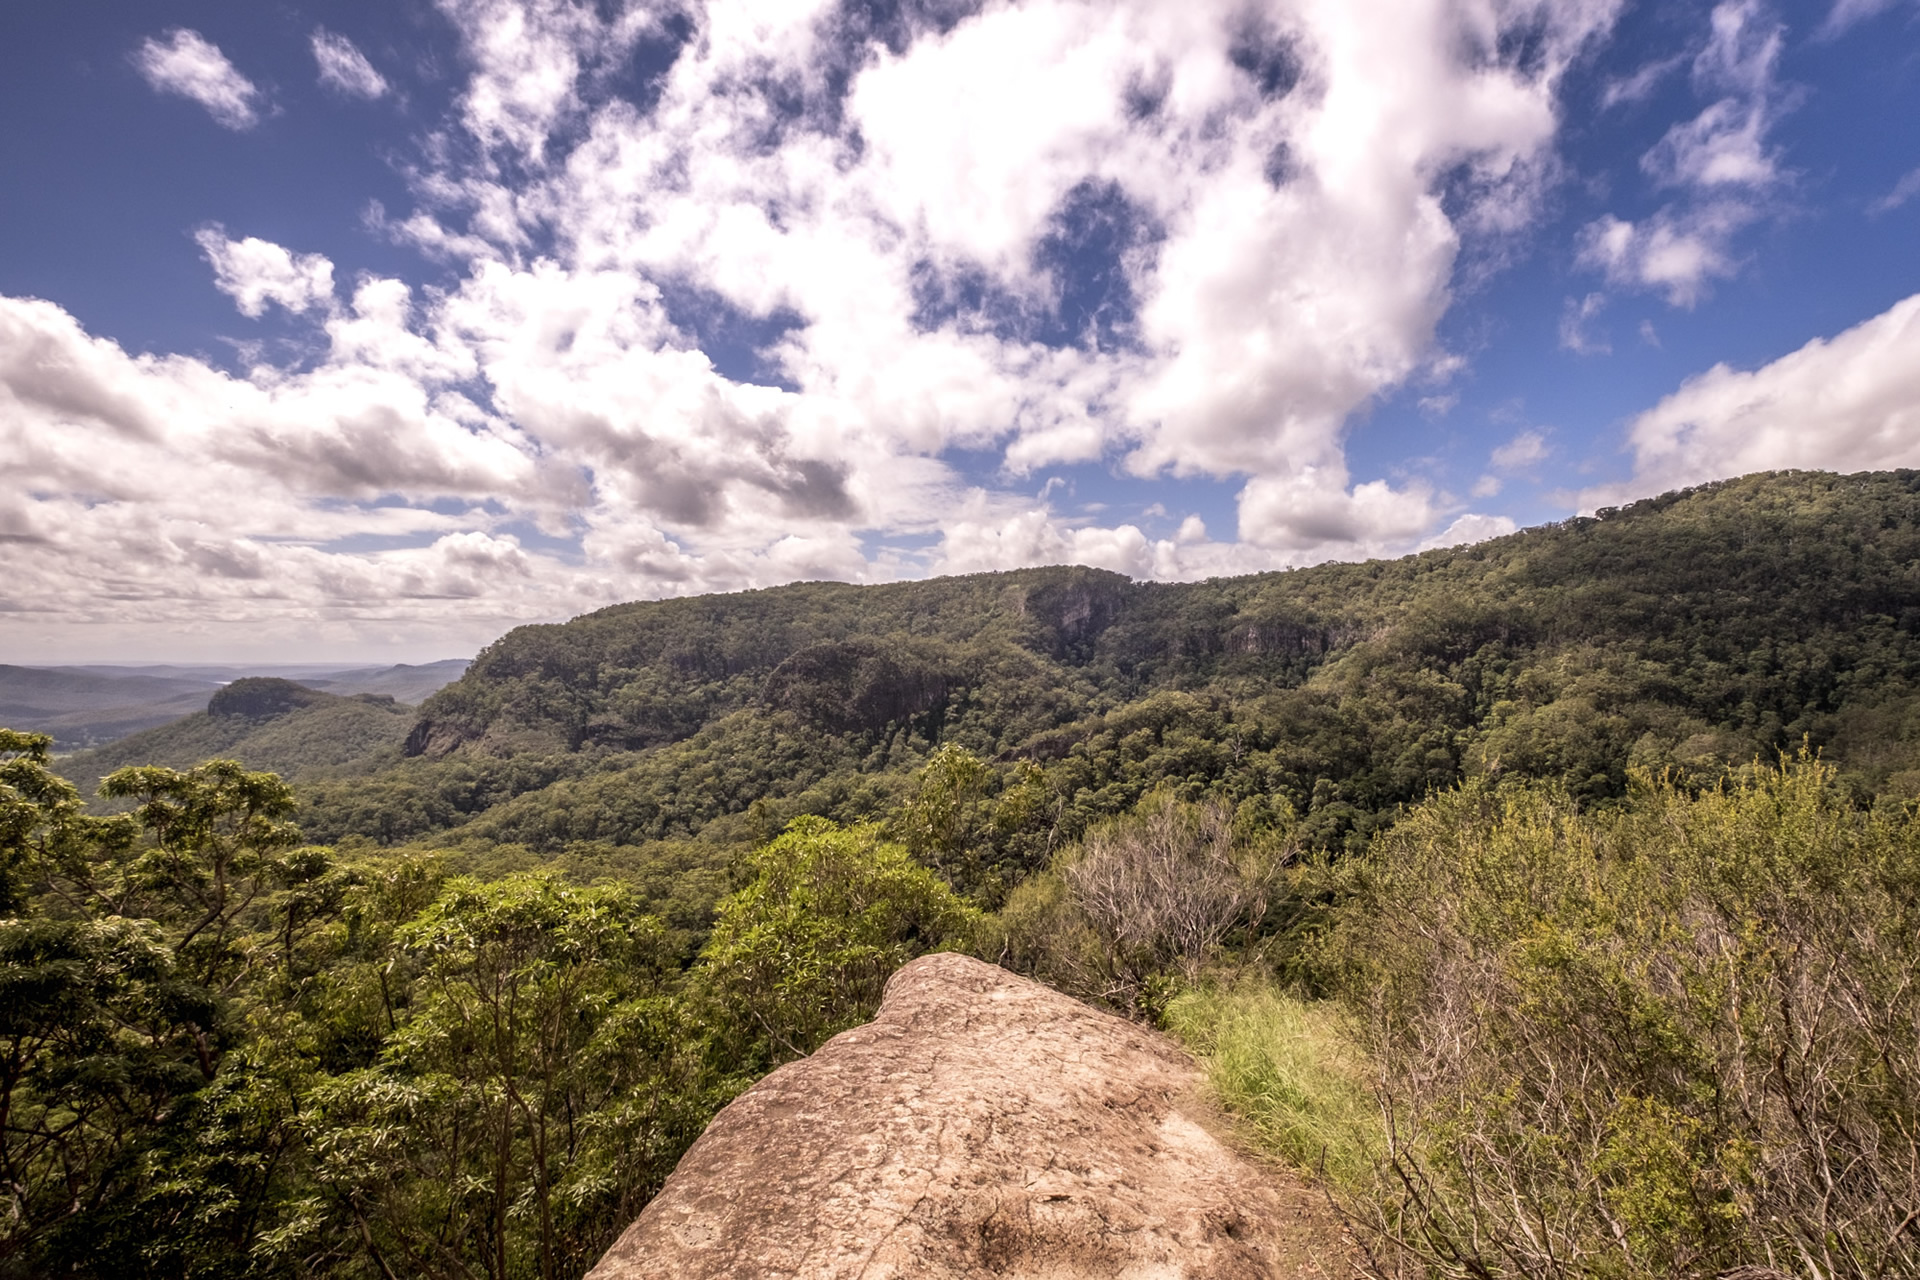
column 1669, row 1040
column 1290, row 1071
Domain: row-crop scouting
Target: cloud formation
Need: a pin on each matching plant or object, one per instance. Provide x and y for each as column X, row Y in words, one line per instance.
column 254, row 272
column 1904, row 190
column 344, row 68
column 189, row 65
column 1719, row 164
column 1676, row 252
column 159, row 491
column 738, row 328
column 1576, row 320
column 1269, row 202
column 1846, row 403
column 1523, row 450
column 1848, row 13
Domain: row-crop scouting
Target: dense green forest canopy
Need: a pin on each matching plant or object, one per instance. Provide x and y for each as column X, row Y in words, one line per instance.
column 1694, row 630
column 228, row 1053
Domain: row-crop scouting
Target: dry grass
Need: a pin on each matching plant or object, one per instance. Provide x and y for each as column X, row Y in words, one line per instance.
column 1290, row 1071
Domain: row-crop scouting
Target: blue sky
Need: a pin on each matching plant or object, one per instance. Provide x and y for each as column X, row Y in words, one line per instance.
column 369, row 331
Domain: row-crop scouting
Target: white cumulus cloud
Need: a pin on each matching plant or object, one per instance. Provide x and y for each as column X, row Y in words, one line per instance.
column 1719, row 164
column 188, row 64
column 819, row 305
column 1846, row 403
column 1469, row 529
column 1291, row 255
column 161, row 495
column 1725, row 145
column 527, row 58
column 254, row 272
column 343, row 67
column 1523, row 450
column 1678, row 253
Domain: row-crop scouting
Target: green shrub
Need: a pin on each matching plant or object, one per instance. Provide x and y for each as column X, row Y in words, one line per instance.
column 805, row 950
column 1662, row 1041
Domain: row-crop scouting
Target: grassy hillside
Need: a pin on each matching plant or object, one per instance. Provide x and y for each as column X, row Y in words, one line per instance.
column 1693, row 630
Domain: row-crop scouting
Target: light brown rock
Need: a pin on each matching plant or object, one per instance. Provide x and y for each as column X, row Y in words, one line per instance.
column 981, row 1125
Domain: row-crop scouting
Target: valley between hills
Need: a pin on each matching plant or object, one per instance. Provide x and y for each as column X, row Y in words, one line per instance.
column 1550, row 904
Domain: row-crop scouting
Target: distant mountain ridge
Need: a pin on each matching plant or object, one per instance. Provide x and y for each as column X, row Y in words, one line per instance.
column 1695, row 631
column 81, row 707
column 267, row 722
column 93, row 705
column 404, row 682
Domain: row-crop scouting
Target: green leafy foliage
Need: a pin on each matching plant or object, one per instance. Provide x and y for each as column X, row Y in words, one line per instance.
column 225, row 1053
column 1668, row 1039
column 214, row 834
column 101, row 1040
column 805, row 949
column 533, row 1099
column 44, row 827
column 117, row 974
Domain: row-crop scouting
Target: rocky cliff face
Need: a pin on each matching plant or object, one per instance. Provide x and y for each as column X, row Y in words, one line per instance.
column 981, row 1125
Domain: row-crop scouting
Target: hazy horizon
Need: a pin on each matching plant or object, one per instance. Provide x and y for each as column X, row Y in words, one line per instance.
column 216, row 664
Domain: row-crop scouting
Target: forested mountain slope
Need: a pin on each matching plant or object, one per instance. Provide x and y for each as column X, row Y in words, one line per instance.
column 1697, row 629
column 269, row 723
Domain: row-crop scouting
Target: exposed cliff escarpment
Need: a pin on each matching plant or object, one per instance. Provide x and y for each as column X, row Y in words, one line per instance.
column 980, row 1125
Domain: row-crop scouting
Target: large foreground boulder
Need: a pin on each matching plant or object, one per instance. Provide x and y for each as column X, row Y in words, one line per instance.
column 981, row 1125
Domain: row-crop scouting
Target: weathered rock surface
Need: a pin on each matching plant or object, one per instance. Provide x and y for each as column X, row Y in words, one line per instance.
column 981, row 1125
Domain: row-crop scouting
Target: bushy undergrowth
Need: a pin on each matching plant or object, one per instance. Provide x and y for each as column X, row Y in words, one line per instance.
column 1673, row 1038
column 1666, row 1037
column 1665, row 1040
column 1142, row 906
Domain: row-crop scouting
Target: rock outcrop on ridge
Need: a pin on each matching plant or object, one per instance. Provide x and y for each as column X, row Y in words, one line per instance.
column 980, row 1125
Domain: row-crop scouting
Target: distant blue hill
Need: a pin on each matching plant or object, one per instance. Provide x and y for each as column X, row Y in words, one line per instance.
column 90, row 706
